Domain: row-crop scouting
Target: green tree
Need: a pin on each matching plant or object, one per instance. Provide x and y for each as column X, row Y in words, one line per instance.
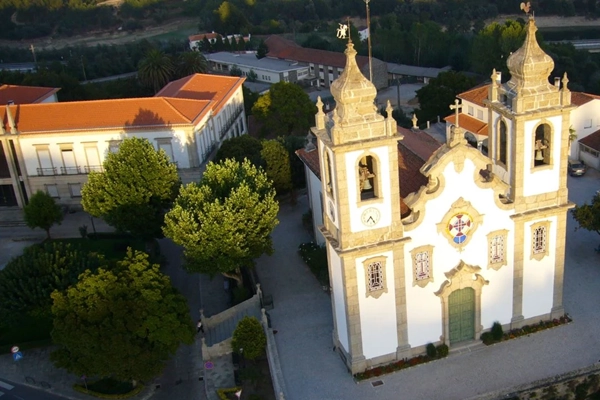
column 191, row 62
column 285, row 110
column 239, row 148
column 28, row 280
column 156, row 69
column 493, row 44
column 262, row 50
column 225, row 221
column 249, row 338
column 436, row 97
column 229, row 18
column 277, row 162
column 42, row 212
column 588, row 215
column 235, row 71
column 123, row 323
column 252, row 76
column 250, row 98
column 137, row 186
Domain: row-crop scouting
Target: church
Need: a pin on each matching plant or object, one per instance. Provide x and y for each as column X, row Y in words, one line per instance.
column 433, row 243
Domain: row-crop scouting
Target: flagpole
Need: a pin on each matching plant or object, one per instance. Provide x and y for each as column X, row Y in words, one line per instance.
column 369, row 40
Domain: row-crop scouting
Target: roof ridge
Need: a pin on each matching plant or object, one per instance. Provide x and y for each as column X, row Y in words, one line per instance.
column 166, row 100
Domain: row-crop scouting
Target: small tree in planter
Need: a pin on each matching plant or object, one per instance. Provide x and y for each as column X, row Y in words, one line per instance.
column 249, row 338
column 42, row 212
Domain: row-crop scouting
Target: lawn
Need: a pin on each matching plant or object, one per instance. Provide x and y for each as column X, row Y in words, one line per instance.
column 29, row 331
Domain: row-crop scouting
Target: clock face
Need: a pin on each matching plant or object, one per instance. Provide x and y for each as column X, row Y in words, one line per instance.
column 370, row 216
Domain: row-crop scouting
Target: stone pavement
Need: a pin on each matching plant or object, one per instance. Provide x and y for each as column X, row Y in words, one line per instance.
column 302, row 316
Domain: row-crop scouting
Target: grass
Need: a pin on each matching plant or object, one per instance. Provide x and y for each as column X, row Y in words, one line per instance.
column 184, row 31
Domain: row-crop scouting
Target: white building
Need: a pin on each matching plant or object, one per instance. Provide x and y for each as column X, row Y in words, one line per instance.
column 433, row 243
column 53, row 146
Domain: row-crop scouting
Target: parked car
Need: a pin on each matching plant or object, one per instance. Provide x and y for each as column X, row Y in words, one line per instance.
column 576, row 168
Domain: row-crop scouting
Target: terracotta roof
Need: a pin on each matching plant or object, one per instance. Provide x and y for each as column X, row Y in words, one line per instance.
column 469, row 123
column 203, row 87
column 592, row 140
column 476, row 95
column 288, row 50
column 311, row 160
column 25, row 94
column 580, row 98
column 105, row 114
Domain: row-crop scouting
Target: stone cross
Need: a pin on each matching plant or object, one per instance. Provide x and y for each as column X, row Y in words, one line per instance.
column 456, row 107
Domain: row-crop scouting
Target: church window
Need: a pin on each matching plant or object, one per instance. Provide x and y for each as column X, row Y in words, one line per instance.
column 328, row 183
column 542, row 145
column 367, row 178
column 422, row 265
column 375, row 276
column 497, row 249
column 502, row 142
column 539, row 240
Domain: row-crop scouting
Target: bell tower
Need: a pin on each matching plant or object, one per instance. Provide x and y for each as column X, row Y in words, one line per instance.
column 529, row 120
column 358, row 150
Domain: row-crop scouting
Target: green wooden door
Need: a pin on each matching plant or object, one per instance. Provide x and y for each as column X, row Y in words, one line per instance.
column 461, row 314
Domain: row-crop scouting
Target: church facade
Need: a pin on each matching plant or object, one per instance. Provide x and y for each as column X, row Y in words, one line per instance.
column 434, row 243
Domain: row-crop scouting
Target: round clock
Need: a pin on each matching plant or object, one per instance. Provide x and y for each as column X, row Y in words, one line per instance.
column 370, row 216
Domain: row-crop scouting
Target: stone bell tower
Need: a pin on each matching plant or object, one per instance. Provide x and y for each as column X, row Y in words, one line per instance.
column 358, row 150
column 529, row 120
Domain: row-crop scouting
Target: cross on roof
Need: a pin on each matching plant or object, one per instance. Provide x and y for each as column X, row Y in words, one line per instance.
column 456, row 107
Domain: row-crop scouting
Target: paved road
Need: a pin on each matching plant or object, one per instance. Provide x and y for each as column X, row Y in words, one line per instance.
column 13, row 391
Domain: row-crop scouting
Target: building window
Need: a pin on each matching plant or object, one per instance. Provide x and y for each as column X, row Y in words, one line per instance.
column 502, row 151
column 166, row 145
column 588, row 123
column 113, row 145
column 328, row 183
column 44, row 161
column 375, row 276
column 75, row 189
column 470, row 110
column 497, row 249
column 586, row 149
column 480, row 115
column 92, row 158
column 52, row 190
column 368, row 181
column 542, row 145
column 540, row 240
column 422, row 262
column 68, row 159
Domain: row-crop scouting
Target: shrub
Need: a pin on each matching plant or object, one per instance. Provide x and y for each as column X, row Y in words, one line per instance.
column 442, row 350
column 431, row 350
column 497, row 332
column 487, row 338
column 249, row 336
column 224, row 393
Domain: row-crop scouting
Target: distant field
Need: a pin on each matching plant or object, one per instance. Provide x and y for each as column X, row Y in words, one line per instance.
column 185, row 29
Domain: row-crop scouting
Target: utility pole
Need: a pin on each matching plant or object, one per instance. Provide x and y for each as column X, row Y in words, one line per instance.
column 369, row 40
column 33, row 52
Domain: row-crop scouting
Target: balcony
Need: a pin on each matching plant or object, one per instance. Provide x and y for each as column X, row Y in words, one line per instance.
column 46, row 171
column 96, row 168
column 70, row 170
column 229, row 123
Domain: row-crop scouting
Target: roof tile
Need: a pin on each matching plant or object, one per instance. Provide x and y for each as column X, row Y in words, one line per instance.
column 469, row 123
column 476, row 95
column 592, row 140
column 25, row 94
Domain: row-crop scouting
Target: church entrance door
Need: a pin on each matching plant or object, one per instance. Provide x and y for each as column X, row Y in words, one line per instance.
column 461, row 310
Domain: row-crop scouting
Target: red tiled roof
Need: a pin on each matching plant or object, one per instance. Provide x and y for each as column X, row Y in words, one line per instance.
column 476, row 95
column 201, row 36
column 592, row 140
column 311, row 160
column 469, row 123
column 217, row 88
column 288, row 50
column 105, row 114
column 580, row 98
column 24, row 94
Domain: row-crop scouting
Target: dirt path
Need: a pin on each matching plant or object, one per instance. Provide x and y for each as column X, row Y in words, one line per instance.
column 104, row 38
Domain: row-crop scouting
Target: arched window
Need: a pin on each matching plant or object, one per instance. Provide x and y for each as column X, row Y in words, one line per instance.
column 502, row 143
column 367, row 178
column 328, row 183
column 542, row 145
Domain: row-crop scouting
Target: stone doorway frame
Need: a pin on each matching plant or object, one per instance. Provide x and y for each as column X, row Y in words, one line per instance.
column 460, row 277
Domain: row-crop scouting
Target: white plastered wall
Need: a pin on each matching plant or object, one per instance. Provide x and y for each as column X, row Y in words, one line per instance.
column 314, row 191
column 337, row 284
column 424, row 308
column 377, row 315
column 538, row 275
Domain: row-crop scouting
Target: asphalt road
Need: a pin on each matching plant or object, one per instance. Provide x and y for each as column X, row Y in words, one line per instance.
column 14, row 391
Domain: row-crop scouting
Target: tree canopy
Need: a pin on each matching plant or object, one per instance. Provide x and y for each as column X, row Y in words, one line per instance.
column 137, row 186
column 123, row 323
column 241, row 147
column 494, row 43
column 285, row 110
column 42, row 212
column 156, row 69
column 436, row 97
column 249, row 338
column 225, row 221
column 588, row 215
column 278, row 167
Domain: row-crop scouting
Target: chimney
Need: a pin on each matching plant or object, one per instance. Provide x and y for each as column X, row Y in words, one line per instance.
column 557, row 82
column 10, row 103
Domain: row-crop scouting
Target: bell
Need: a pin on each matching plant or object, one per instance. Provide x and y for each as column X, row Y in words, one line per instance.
column 539, row 156
column 367, row 185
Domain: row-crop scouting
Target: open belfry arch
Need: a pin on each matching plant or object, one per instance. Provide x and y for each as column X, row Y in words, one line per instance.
column 477, row 239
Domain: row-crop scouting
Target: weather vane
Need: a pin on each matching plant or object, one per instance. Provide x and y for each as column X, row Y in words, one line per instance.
column 342, row 31
column 526, row 7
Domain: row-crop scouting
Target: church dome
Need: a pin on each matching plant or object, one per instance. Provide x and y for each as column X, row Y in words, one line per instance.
column 529, row 66
column 353, row 93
